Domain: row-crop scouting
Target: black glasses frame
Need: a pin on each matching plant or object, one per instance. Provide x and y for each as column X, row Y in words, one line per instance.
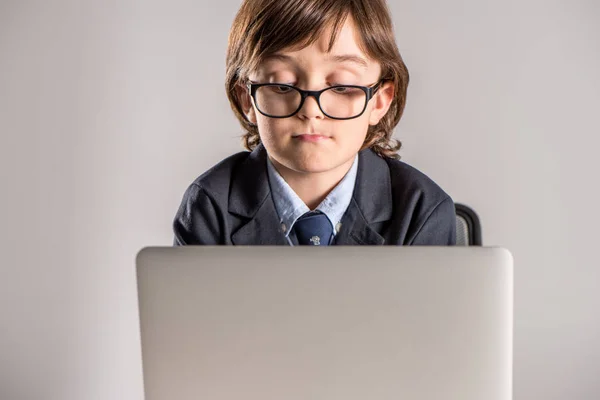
column 369, row 92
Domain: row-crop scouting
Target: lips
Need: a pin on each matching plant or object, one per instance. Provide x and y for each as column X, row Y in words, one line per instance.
column 311, row 137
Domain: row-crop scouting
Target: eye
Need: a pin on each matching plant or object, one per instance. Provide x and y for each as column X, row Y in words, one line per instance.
column 283, row 89
column 279, row 89
column 345, row 90
column 341, row 89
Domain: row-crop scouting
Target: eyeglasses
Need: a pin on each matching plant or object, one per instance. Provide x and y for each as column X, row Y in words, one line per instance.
column 279, row 100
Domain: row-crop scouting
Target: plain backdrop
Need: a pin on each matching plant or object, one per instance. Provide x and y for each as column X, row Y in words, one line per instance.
column 108, row 110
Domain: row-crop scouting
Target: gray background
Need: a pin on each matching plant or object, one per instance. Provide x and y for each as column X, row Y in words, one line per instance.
column 108, row 110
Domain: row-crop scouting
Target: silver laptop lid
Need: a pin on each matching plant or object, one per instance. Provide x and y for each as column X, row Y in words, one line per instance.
column 352, row 323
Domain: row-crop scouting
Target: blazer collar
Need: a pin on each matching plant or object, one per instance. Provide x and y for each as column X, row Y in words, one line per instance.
column 250, row 197
column 250, row 184
column 371, row 202
column 373, row 189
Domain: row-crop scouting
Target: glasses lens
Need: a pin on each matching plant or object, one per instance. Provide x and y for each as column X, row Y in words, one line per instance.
column 277, row 101
column 343, row 101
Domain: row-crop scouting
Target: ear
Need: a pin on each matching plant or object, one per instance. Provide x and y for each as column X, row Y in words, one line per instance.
column 382, row 102
column 246, row 102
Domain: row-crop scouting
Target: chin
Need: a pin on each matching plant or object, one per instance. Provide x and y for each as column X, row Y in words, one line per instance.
column 306, row 160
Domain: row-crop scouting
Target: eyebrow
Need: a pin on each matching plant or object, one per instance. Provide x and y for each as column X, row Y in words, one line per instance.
column 354, row 59
column 361, row 62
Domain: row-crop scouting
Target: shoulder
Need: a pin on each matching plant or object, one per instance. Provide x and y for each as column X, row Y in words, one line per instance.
column 209, row 192
column 410, row 183
column 200, row 218
column 426, row 209
column 217, row 179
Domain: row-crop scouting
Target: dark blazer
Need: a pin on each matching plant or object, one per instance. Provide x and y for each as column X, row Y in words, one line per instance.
column 392, row 204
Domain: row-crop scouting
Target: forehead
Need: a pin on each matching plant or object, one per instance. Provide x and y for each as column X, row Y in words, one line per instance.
column 346, row 50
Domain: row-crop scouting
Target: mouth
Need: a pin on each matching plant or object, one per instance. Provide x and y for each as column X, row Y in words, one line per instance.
column 311, row 137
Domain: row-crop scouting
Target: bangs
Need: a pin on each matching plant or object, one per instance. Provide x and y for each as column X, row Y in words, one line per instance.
column 294, row 25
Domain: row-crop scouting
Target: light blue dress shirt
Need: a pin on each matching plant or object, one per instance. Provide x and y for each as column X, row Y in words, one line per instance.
column 290, row 207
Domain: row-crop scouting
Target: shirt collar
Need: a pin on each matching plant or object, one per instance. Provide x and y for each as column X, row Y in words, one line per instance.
column 290, row 207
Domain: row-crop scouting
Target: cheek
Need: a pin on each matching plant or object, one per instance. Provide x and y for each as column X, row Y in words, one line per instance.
column 271, row 130
column 353, row 132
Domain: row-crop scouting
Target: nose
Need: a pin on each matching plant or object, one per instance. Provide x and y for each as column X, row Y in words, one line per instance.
column 310, row 109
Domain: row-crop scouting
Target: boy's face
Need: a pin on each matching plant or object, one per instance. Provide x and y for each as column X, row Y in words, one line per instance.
column 334, row 142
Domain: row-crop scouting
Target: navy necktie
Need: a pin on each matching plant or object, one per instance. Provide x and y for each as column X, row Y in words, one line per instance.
column 313, row 229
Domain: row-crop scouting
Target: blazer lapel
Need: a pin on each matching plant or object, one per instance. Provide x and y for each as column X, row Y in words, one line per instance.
column 250, row 197
column 355, row 230
column 262, row 229
column 371, row 202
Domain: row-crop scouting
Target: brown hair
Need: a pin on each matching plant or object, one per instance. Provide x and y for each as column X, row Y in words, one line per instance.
column 263, row 27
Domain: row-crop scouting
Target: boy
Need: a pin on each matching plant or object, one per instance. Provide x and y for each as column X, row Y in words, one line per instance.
column 318, row 86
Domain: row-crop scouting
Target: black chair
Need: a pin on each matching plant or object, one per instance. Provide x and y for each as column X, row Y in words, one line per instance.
column 468, row 227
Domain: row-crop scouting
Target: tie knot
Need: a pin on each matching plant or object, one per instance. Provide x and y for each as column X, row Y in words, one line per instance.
column 313, row 229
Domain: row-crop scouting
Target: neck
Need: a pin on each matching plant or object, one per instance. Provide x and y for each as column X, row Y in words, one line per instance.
column 313, row 187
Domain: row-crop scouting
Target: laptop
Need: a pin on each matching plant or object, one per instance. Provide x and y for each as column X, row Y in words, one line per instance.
column 326, row 323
